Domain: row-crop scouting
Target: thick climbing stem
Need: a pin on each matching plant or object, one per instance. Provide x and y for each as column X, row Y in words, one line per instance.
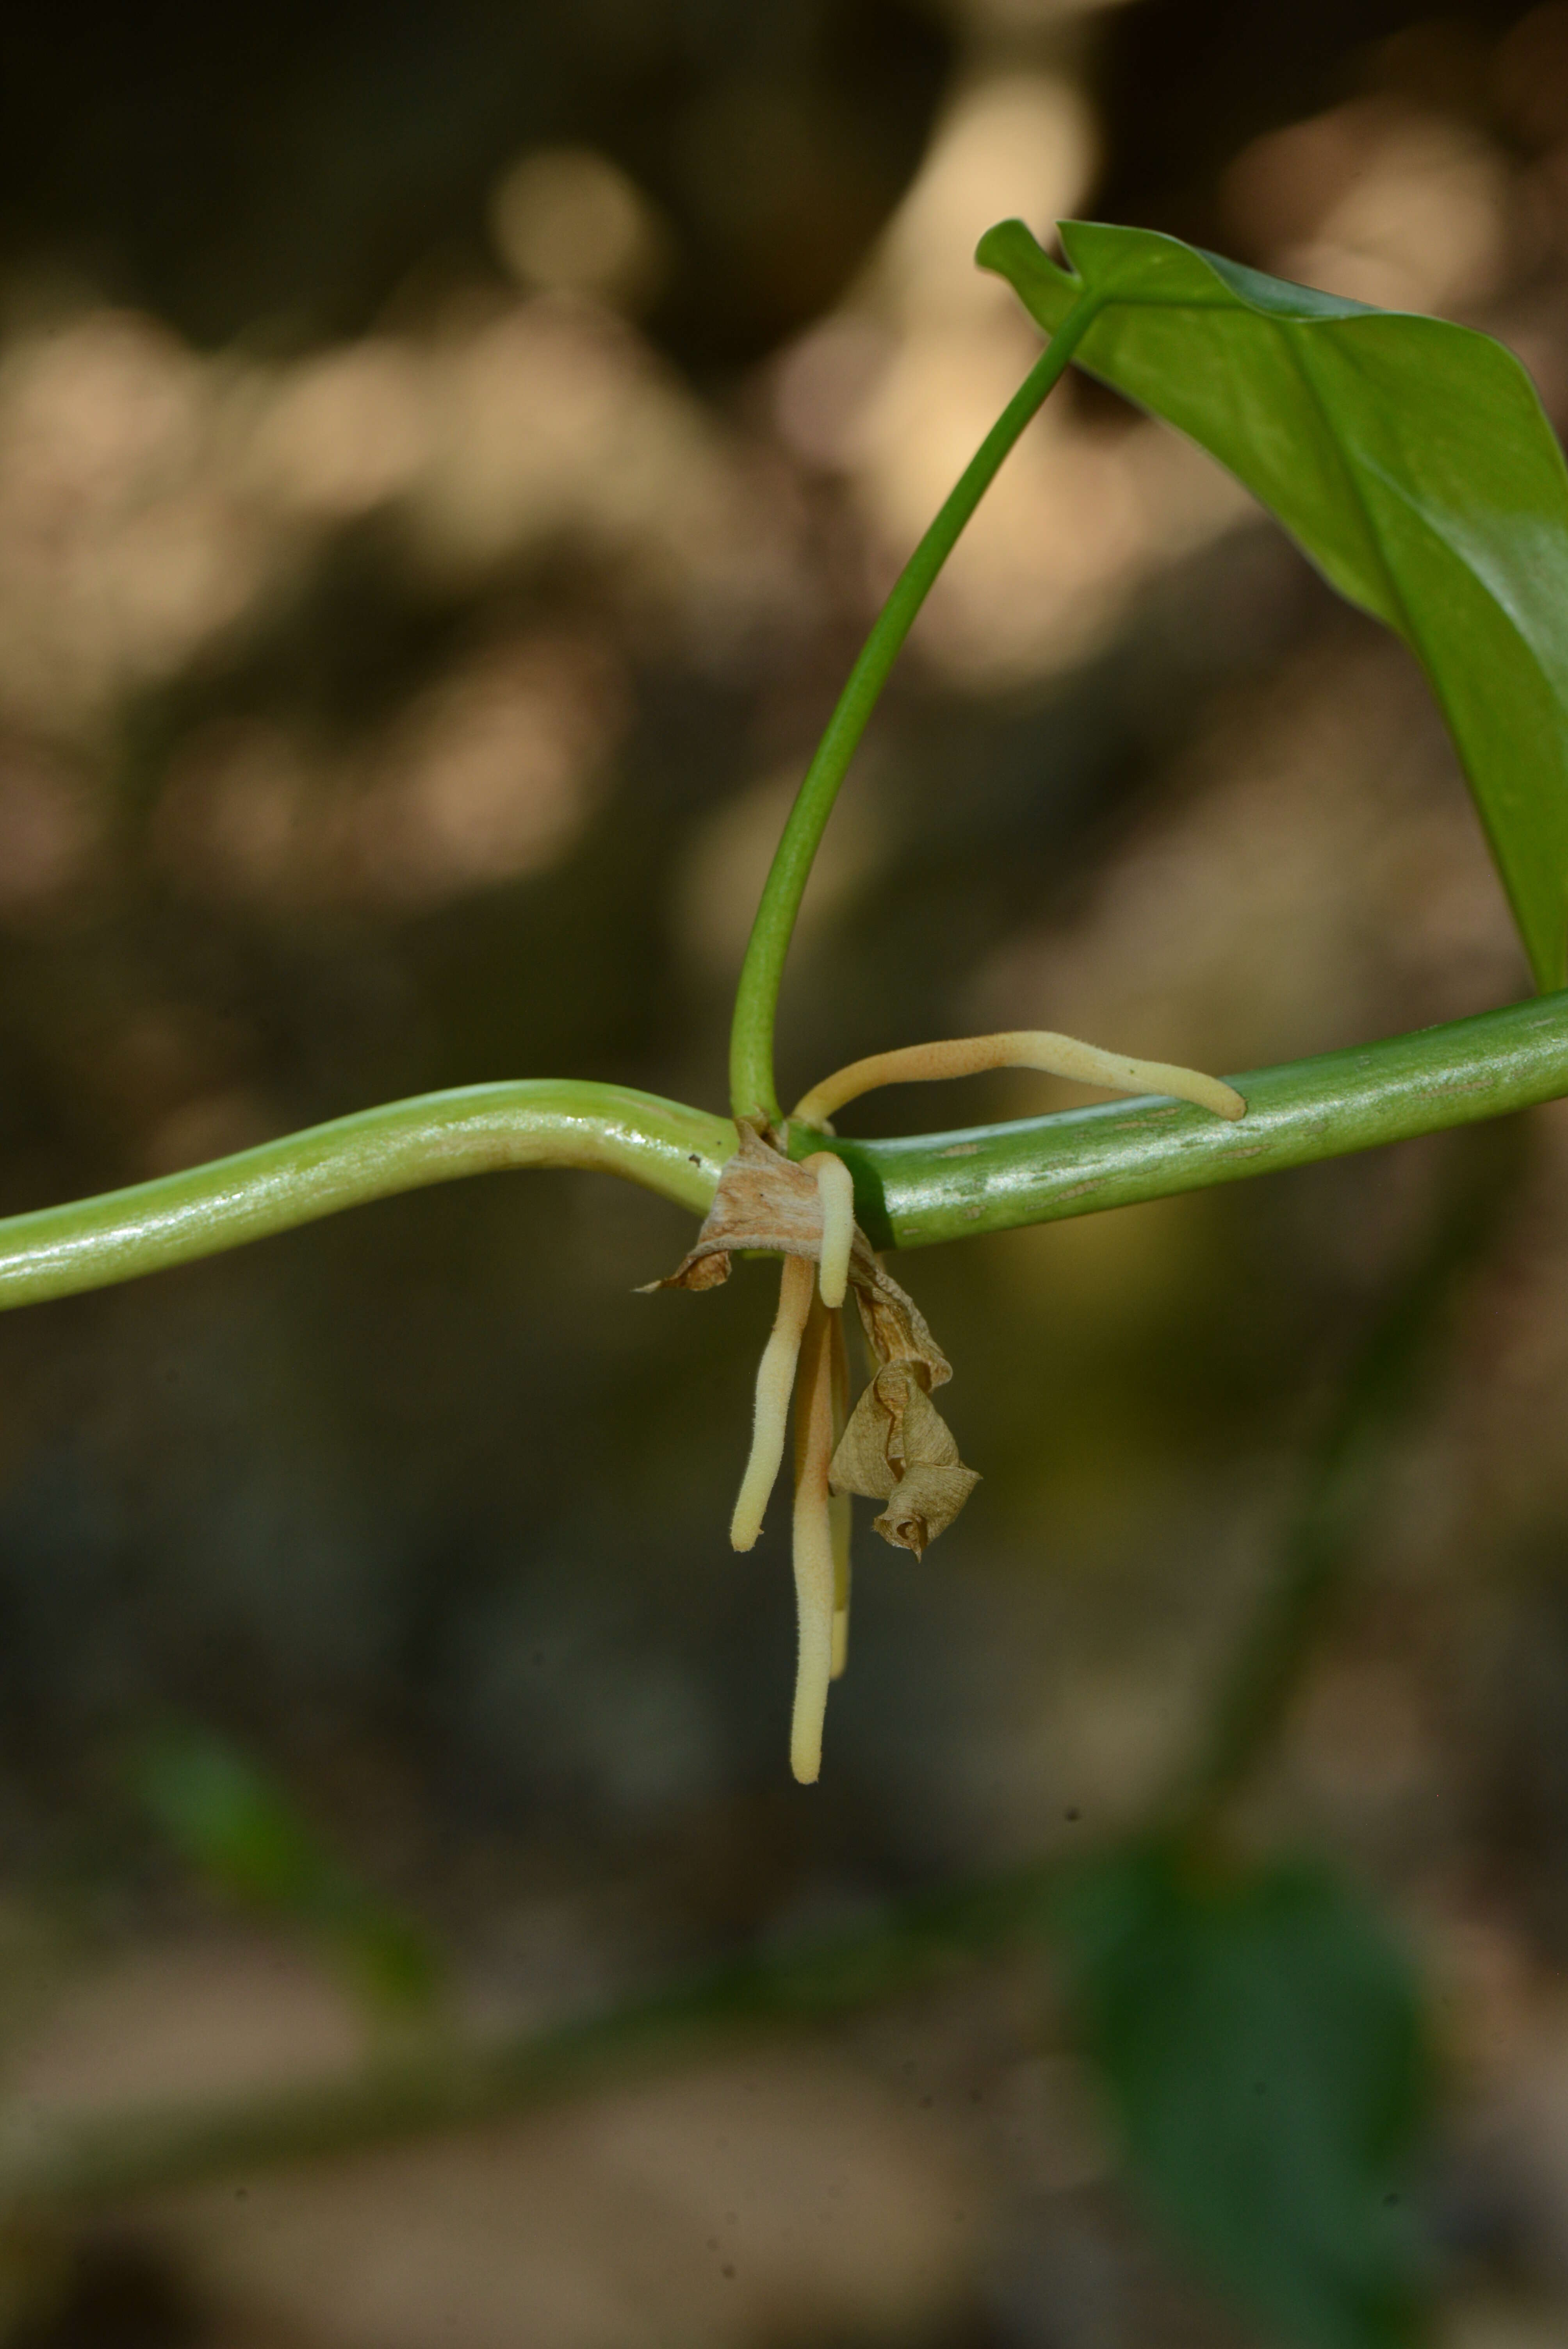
column 751, row 1084
column 909, row 1193
column 474, row 1130
column 942, row 1187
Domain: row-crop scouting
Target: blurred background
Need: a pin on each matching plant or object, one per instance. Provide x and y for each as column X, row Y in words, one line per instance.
column 448, row 459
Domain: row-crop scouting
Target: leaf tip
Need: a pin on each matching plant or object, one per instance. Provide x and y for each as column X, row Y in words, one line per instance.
column 1011, row 249
column 993, row 249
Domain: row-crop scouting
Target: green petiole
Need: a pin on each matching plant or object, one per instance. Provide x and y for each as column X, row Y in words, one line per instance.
column 752, row 1091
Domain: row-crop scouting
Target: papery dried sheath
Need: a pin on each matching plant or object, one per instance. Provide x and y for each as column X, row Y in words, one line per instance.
column 763, row 1201
column 766, row 1201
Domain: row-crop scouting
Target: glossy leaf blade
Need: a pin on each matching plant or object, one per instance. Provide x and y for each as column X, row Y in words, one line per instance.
column 1412, row 461
column 1262, row 2048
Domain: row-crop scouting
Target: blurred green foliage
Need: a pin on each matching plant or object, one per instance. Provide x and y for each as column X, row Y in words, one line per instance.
column 1260, row 2037
column 238, row 1829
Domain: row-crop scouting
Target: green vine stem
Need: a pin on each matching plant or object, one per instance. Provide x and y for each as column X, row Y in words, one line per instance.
column 909, row 1193
column 751, row 1083
column 942, row 1186
column 536, row 1121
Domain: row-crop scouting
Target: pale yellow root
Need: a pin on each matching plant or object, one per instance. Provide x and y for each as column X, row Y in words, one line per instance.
column 841, row 1524
column 836, row 1190
column 814, row 1575
column 775, row 1378
column 841, row 1513
column 1020, row 1048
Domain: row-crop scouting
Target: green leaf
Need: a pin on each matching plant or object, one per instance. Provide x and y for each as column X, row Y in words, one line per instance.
column 1411, row 461
column 238, row 1828
column 1262, row 2048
